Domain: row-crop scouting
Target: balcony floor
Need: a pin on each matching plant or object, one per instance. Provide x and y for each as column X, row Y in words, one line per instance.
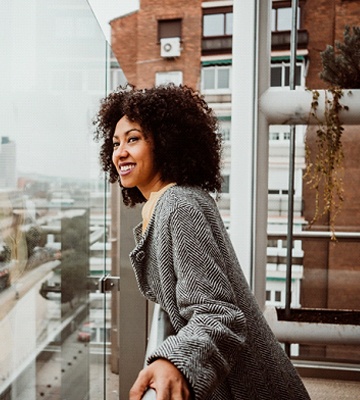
column 329, row 389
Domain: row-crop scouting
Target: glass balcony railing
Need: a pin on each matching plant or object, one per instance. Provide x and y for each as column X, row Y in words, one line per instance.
column 54, row 332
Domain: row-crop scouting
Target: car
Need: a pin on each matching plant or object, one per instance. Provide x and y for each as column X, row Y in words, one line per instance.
column 87, row 332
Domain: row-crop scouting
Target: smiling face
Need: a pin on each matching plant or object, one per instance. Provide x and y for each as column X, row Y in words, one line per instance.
column 133, row 158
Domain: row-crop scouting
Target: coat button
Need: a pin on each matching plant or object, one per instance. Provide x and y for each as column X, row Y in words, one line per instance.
column 140, row 256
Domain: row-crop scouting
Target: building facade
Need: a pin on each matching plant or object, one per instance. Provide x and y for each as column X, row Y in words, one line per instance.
column 7, row 163
column 331, row 270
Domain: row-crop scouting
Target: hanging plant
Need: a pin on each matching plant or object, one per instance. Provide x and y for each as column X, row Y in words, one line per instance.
column 324, row 171
column 341, row 69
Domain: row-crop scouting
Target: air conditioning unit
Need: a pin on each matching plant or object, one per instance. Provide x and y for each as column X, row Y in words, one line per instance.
column 170, row 47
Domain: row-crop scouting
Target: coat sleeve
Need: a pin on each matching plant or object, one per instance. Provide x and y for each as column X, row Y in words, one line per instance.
column 208, row 345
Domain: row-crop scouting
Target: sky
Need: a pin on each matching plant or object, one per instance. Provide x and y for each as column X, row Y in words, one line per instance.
column 47, row 103
column 106, row 10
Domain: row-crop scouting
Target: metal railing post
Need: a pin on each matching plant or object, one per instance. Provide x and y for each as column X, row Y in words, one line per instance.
column 289, row 246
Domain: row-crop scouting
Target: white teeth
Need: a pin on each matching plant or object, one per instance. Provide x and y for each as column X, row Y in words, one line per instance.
column 126, row 167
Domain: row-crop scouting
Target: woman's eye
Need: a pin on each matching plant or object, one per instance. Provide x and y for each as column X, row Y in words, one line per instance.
column 133, row 139
column 115, row 144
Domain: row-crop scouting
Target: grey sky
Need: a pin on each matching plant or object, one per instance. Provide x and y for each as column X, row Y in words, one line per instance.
column 52, row 78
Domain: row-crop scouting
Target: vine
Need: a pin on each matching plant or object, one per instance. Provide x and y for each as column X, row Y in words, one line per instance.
column 324, row 171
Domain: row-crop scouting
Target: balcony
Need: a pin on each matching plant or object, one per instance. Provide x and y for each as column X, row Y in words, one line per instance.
column 216, row 45
column 281, row 40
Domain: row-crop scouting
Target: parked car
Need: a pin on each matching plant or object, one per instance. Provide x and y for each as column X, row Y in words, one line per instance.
column 87, row 332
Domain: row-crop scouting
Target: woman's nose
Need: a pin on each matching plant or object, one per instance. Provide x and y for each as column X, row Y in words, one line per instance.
column 120, row 151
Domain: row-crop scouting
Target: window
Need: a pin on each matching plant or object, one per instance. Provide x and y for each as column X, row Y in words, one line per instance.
column 117, row 78
column 225, row 187
column 274, row 136
column 279, row 191
column 279, row 135
column 286, row 192
column 216, row 79
column 273, row 191
column 277, row 295
column 169, row 28
column 224, row 128
column 280, row 74
column 272, row 243
column 281, row 19
column 163, row 78
column 220, row 24
column 275, row 292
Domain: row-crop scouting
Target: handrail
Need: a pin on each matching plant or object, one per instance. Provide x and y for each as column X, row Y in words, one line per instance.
column 350, row 236
column 160, row 329
column 149, row 395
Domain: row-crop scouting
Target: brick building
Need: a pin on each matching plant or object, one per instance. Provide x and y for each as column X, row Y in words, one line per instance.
column 331, row 270
column 190, row 42
column 137, row 42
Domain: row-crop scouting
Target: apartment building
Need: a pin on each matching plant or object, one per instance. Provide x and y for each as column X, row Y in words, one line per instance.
column 331, row 270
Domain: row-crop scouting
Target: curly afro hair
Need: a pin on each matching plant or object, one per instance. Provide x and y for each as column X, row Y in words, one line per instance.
column 187, row 148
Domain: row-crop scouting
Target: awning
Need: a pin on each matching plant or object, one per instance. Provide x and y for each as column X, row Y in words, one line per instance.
column 286, row 58
column 209, row 63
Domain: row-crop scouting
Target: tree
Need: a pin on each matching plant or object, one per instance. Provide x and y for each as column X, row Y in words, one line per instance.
column 5, row 253
column 341, row 67
column 33, row 239
column 74, row 268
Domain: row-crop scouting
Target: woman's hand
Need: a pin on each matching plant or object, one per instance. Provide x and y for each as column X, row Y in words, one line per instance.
column 164, row 378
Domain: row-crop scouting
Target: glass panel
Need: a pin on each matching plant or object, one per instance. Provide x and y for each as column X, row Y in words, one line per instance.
column 52, row 219
column 284, row 19
column 213, row 25
column 229, row 23
column 225, row 129
column 287, row 75
column 223, row 78
column 297, row 75
column 208, row 75
column 284, row 16
column 273, row 20
column 225, row 188
column 276, row 76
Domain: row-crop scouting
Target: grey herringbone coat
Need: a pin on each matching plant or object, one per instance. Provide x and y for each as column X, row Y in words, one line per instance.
column 221, row 343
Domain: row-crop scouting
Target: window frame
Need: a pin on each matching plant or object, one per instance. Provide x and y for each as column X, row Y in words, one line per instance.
column 177, row 30
column 159, row 81
column 282, row 5
column 283, row 65
column 216, row 89
column 217, row 11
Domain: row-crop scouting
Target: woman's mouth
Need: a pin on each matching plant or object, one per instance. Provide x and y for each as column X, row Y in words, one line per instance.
column 126, row 168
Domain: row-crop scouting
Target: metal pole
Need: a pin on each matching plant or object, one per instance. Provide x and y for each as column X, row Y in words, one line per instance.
column 293, row 46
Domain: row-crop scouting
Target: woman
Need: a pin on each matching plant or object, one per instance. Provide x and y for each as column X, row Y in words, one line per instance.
column 161, row 145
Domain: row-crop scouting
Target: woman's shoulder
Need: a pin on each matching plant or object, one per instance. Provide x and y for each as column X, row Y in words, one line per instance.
column 189, row 198
column 184, row 196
